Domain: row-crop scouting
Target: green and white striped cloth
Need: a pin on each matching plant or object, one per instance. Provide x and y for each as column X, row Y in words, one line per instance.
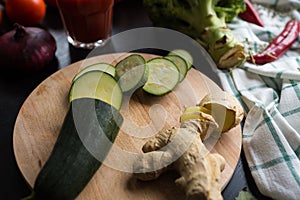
column 270, row 95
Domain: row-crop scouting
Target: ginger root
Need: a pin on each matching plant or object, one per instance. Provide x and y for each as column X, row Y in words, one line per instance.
column 224, row 108
column 200, row 170
column 182, row 149
column 206, row 120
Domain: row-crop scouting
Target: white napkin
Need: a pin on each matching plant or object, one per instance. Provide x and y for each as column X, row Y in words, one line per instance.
column 270, row 95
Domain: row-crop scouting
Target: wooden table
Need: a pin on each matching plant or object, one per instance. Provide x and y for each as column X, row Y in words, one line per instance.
column 15, row 89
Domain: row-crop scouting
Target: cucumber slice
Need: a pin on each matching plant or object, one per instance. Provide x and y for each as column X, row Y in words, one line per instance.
column 97, row 85
column 131, row 72
column 104, row 67
column 181, row 65
column 185, row 55
column 163, row 76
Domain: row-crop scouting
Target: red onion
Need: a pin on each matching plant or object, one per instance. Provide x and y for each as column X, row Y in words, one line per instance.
column 26, row 49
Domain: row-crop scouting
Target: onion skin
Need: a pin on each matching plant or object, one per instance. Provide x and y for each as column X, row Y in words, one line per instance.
column 27, row 49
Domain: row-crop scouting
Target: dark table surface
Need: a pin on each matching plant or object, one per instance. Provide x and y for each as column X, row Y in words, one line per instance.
column 14, row 89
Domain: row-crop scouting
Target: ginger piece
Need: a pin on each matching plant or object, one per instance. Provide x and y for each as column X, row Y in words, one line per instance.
column 181, row 149
column 207, row 121
column 224, row 108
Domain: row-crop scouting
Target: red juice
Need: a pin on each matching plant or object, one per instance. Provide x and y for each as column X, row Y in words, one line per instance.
column 87, row 21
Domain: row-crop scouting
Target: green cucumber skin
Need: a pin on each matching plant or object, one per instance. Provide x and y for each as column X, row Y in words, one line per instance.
column 70, row 165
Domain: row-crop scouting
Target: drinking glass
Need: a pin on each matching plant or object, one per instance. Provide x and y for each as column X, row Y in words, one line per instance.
column 87, row 22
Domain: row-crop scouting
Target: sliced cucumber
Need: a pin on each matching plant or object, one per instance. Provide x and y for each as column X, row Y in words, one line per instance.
column 185, row 55
column 163, row 76
column 97, row 85
column 181, row 65
column 104, row 67
column 131, row 72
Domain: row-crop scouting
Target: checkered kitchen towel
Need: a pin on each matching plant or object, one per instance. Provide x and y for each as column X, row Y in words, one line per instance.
column 270, row 95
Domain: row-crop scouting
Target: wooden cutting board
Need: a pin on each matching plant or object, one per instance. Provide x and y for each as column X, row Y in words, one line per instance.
column 42, row 114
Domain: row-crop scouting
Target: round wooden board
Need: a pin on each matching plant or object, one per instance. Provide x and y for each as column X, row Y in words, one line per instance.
column 42, row 114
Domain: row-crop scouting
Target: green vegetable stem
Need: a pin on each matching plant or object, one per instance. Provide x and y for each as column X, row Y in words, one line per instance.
column 205, row 21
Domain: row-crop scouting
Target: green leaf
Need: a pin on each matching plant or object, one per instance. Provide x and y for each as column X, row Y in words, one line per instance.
column 245, row 195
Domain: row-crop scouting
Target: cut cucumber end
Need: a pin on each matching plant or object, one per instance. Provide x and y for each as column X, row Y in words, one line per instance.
column 97, row 85
column 163, row 76
column 185, row 55
column 131, row 72
column 104, row 67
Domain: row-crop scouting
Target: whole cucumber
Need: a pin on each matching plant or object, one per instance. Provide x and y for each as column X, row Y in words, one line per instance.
column 88, row 131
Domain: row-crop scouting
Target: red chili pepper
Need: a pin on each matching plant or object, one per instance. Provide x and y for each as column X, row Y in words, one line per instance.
column 250, row 14
column 279, row 45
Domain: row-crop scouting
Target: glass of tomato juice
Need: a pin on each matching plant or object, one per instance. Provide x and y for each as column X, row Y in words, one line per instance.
column 87, row 22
